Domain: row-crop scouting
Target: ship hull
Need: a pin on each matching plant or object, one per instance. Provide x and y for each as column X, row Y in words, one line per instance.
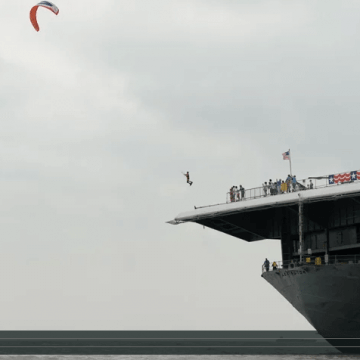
column 328, row 296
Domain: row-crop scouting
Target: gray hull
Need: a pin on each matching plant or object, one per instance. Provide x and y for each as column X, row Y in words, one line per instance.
column 328, row 296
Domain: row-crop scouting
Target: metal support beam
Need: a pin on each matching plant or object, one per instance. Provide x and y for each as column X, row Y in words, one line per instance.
column 327, row 241
column 301, row 235
column 305, row 217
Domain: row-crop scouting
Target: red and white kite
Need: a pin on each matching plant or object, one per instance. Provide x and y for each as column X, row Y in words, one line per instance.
column 33, row 11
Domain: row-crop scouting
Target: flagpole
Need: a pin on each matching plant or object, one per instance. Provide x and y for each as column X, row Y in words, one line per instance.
column 290, row 162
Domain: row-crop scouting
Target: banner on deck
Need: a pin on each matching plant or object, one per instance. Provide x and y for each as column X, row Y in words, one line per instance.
column 344, row 177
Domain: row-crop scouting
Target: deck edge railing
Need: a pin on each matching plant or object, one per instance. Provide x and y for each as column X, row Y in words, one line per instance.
column 308, row 260
column 241, row 194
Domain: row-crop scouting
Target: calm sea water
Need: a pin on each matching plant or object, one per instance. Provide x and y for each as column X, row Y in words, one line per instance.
column 178, row 357
column 86, row 345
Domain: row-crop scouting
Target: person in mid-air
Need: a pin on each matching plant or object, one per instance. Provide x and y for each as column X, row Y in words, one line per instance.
column 188, row 179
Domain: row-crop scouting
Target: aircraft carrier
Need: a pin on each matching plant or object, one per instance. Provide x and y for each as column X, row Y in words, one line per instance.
column 318, row 229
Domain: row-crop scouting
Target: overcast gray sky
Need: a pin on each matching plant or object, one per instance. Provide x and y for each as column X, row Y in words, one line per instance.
column 104, row 108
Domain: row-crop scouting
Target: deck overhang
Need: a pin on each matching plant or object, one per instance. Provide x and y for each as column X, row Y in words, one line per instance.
column 259, row 219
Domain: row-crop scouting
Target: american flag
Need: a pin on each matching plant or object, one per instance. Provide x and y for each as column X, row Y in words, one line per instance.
column 286, row 155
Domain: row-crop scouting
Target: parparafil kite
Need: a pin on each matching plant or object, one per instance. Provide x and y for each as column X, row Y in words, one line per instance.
column 33, row 11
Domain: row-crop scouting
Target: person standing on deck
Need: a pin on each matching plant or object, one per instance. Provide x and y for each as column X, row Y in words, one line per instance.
column 273, row 187
column 288, row 181
column 267, row 264
column 233, row 193
column 294, row 182
column 242, row 190
column 265, row 188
